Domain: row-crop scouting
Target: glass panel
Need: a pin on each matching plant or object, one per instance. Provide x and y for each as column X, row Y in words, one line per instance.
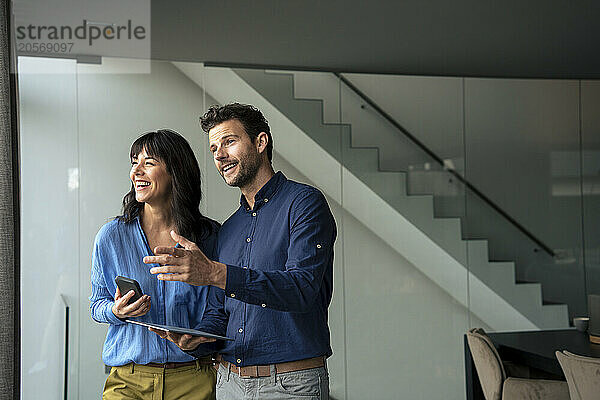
column 406, row 269
column 49, row 225
column 590, row 127
column 522, row 146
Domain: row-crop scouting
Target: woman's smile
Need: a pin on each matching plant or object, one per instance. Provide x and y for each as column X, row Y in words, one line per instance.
column 150, row 179
column 141, row 185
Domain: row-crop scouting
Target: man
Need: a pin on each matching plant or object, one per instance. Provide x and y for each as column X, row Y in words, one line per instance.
column 275, row 267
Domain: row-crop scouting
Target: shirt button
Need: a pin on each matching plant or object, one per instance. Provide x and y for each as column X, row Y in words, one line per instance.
column 232, row 294
column 318, row 246
column 254, row 214
column 239, row 360
column 263, row 305
column 266, row 200
column 240, row 330
column 248, row 240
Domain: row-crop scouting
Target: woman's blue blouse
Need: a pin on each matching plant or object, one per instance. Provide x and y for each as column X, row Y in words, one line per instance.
column 119, row 249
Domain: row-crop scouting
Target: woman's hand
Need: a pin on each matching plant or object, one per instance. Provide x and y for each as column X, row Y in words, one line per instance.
column 136, row 309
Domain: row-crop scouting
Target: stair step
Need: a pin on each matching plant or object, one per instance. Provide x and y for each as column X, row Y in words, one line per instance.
column 523, row 282
column 317, row 85
column 452, row 228
column 389, row 185
column 500, row 276
column 554, row 316
column 532, row 296
column 551, row 303
column 361, row 161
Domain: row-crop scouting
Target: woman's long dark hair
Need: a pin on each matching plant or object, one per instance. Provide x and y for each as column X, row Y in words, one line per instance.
column 175, row 152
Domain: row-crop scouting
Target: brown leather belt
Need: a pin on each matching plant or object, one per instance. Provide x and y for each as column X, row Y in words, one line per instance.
column 261, row 371
column 172, row 365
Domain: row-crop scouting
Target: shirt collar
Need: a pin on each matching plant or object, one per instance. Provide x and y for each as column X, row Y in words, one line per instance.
column 266, row 192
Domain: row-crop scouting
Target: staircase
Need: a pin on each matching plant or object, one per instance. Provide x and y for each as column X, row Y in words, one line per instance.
column 379, row 199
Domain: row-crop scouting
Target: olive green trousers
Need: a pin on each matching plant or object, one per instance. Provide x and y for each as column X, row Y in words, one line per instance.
column 141, row 382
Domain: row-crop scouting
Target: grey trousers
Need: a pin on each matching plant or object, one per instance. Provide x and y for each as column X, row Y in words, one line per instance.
column 309, row 384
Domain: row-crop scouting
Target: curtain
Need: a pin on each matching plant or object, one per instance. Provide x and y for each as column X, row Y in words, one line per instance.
column 9, row 214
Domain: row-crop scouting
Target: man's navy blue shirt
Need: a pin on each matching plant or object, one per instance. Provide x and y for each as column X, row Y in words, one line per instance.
column 279, row 258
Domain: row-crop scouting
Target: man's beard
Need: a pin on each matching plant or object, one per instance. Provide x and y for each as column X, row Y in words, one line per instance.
column 248, row 167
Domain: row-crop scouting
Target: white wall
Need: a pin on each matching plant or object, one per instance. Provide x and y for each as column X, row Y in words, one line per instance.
column 384, row 311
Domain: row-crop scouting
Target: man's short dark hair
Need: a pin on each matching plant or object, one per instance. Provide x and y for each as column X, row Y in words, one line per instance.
column 253, row 121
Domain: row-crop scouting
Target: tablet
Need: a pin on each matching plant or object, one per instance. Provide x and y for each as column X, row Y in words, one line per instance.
column 176, row 329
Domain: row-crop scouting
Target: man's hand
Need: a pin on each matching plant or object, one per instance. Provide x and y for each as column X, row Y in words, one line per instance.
column 123, row 310
column 187, row 264
column 184, row 342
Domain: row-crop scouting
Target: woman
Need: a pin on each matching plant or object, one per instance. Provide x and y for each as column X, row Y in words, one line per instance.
column 165, row 195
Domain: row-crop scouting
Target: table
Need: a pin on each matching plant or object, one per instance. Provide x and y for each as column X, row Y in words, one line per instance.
column 534, row 349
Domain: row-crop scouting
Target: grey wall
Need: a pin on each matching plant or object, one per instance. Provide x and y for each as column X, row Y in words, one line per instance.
column 512, row 38
column 522, row 150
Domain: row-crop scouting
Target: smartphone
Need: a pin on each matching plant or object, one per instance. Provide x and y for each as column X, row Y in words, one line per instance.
column 127, row 284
